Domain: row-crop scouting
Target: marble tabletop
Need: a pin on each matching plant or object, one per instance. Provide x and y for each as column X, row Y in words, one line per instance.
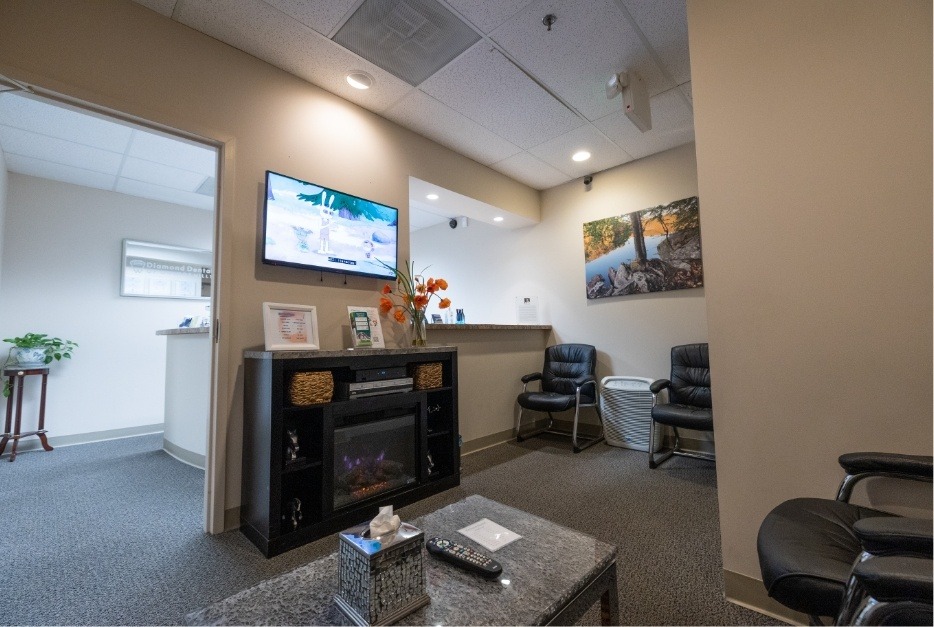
column 542, row 573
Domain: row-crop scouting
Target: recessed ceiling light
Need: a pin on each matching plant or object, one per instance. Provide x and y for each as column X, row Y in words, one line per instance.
column 360, row 80
column 498, row 219
column 432, row 196
column 580, row 155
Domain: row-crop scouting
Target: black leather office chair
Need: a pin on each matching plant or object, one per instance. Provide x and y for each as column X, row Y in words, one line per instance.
column 808, row 546
column 567, row 381
column 688, row 405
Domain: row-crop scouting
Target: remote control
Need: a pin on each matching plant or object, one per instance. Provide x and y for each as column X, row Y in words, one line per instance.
column 464, row 557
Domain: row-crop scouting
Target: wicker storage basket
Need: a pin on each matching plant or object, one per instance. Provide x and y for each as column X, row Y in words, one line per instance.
column 426, row 376
column 308, row 388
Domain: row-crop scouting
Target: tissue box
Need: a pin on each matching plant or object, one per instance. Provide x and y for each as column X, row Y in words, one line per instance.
column 379, row 587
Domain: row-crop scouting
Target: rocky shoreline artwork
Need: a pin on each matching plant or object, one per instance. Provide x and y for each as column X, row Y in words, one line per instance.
column 653, row 250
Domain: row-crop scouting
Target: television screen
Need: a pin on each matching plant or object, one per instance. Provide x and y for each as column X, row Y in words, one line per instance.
column 311, row 226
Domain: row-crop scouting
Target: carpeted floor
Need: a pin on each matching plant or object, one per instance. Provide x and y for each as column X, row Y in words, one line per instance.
column 111, row 533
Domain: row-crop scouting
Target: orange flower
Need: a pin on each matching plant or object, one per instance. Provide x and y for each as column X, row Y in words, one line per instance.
column 411, row 295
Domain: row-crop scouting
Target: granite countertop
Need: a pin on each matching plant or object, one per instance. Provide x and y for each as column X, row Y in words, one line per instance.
column 532, row 589
column 184, row 331
column 489, row 327
column 349, row 352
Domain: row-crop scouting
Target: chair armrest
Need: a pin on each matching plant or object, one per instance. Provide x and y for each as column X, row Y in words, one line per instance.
column 659, row 385
column 586, row 380
column 919, row 466
column 859, row 466
column 895, row 535
column 896, row 578
column 535, row 376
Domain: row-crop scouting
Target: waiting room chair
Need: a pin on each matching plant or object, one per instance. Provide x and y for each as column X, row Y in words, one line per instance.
column 813, row 552
column 566, row 381
column 688, row 403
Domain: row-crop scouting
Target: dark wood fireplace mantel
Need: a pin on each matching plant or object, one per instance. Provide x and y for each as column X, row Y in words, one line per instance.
column 287, row 499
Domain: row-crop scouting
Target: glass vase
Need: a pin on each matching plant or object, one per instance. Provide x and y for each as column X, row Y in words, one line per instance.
column 419, row 328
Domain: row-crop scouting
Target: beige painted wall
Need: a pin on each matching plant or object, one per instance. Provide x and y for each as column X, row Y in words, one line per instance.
column 487, row 268
column 813, row 131
column 119, row 55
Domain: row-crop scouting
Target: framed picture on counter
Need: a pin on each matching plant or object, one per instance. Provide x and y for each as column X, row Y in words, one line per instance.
column 290, row 327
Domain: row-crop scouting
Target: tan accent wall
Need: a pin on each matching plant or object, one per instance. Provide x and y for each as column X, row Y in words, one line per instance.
column 122, row 56
column 813, row 132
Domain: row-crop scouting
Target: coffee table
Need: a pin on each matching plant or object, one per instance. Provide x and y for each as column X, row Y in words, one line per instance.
column 552, row 575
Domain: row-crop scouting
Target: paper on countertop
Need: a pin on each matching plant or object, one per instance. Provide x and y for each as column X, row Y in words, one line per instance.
column 488, row 534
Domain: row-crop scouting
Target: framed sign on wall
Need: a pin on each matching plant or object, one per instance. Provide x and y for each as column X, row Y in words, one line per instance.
column 164, row 271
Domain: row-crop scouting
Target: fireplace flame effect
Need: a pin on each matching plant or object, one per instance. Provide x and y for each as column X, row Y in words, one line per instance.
column 351, row 463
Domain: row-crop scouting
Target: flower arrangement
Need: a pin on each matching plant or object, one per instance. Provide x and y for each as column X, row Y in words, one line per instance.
column 410, row 299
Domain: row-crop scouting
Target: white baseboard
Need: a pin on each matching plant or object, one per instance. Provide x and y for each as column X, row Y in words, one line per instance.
column 32, row 443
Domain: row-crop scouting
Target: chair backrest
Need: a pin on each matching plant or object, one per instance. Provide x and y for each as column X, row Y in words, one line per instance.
column 564, row 363
column 690, row 375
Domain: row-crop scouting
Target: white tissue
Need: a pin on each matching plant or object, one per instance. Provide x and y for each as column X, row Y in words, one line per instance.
column 385, row 522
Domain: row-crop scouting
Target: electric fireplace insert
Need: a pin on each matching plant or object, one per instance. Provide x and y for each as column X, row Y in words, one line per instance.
column 373, row 455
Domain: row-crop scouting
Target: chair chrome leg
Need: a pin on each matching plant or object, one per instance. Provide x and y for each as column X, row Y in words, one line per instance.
column 580, row 447
column 519, row 437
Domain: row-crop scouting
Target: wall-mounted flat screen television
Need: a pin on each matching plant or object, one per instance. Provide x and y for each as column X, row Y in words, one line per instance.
column 311, row 226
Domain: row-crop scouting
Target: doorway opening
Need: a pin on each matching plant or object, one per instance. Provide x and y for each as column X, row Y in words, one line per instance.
column 77, row 187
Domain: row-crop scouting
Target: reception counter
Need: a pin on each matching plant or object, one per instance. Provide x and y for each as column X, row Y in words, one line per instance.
column 491, row 359
column 187, row 393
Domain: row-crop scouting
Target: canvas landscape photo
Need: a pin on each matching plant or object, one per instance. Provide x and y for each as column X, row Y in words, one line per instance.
column 654, row 250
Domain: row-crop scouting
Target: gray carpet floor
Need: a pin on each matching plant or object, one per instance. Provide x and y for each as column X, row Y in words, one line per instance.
column 111, row 533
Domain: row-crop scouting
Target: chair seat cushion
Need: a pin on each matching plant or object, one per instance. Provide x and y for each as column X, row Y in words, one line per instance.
column 549, row 401
column 686, row 416
column 806, row 551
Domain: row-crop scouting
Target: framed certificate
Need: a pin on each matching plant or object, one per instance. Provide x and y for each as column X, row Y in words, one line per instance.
column 290, row 327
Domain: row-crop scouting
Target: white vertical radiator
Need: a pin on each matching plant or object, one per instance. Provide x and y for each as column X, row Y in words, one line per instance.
column 626, row 405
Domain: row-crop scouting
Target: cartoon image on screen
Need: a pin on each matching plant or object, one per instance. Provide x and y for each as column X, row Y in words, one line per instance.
column 312, row 226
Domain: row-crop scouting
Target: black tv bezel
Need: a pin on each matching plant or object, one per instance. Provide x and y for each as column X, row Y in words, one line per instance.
column 303, row 266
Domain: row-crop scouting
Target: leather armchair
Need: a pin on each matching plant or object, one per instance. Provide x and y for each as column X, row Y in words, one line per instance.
column 808, row 547
column 689, row 403
column 566, row 381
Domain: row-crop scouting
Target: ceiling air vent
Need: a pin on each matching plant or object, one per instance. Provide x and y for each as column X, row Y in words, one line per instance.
column 411, row 39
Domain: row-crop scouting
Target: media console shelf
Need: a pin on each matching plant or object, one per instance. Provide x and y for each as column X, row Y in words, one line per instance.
column 312, row 470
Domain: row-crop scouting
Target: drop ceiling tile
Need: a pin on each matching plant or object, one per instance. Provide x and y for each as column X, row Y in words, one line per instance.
column 174, row 152
column 264, row 32
column 487, row 88
column 590, row 41
column 665, row 24
column 28, row 144
column 62, row 122
column 160, row 174
column 58, row 172
column 321, row 15
column 672, row 125
column 532, row 171
column 164, row 7
column 425, row 115
column 164, row 194
column 487, row 15
column 557, row 152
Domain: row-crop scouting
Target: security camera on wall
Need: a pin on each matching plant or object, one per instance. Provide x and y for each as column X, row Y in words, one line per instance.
column 635, row 98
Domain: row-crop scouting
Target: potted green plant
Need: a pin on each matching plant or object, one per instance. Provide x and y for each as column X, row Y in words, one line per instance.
column 36, row 350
